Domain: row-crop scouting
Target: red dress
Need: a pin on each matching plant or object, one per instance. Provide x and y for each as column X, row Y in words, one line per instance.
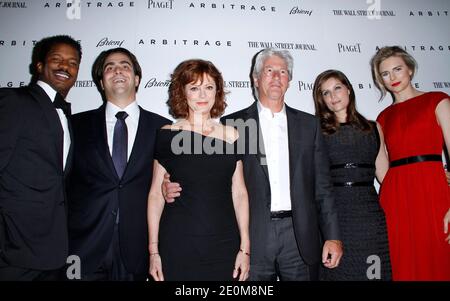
column 415, row 197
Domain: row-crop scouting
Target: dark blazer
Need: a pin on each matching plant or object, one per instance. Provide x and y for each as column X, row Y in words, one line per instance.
column 33, row 224
column 95, row 192
column 311, row 191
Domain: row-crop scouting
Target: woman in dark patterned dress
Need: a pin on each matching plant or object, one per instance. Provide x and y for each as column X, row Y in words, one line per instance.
column 354, row 146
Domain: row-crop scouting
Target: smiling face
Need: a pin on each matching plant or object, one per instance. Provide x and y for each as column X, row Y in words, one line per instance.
column 395, row 74
column 60, row 68
column 201, row 96
column 273, row 81
column 119, row 80
column 336, row 96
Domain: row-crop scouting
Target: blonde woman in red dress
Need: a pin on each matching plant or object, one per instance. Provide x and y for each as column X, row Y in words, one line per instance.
column 414, row 194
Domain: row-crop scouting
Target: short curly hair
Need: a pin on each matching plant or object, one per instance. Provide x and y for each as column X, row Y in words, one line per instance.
column 190, row 71
column 42, row 48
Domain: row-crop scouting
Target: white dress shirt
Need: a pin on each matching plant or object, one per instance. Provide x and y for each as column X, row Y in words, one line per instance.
column 275, row 135
column 132, row 122
column 62, row 117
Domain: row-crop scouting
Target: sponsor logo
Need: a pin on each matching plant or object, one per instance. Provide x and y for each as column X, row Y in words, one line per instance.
column 108, row 42
column 370, row 86
column 233, row 6
column 13, row 84
column 300, row 11
column 353, row 48
column 441, row 85
column 423, row 48
column 184, row 42
column 20, row 43
column 363, row 86
column 12, row 4
column 84, row 84
column 90, row 4
column 141, row 42
column 155, row 83
column 160, row 4
column 429, row 13
column 234, row 84
column 305, row 86
column 78, row 84
column 237, row 84
column 363, row 13
column 282, row 45
column 14, row 43
column 308, row 86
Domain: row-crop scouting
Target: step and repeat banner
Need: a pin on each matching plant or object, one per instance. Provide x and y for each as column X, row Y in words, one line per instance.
column 338, row 34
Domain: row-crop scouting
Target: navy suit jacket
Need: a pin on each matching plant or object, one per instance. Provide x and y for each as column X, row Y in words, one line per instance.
column 95, row 192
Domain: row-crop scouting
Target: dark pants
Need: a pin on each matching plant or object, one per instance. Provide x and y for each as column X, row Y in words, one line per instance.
column 282, row 259
column 112, row 267
column 11, row 273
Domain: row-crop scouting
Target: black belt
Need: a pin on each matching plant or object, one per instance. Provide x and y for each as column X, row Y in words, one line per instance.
column 352, row 184
column 280, row 214
column 415, row 159
column 352, row 165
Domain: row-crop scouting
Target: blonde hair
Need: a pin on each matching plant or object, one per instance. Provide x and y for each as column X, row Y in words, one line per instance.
column 383, row 54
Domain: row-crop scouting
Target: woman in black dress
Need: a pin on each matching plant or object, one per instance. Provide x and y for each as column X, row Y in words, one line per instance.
column 356, row 153
column 204, row 235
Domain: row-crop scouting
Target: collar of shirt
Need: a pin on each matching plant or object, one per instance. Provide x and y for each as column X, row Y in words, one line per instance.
column 276, row 147
column 267, row 114
column 51, row 93
column 132, row 110
column 48, row 90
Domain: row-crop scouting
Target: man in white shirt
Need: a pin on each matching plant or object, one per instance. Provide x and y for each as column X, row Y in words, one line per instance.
column 111, row 176
column 35, row 157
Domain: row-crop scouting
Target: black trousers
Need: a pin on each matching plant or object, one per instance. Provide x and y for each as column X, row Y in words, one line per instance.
column 282, row 258
column 112, row 267
column 11, row 273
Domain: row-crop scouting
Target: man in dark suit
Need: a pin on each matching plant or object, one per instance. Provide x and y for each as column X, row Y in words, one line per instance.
column 35, row 156
column 111, row 175
column 286, row 171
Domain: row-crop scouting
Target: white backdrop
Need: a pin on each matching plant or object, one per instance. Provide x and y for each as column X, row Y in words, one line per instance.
column 340, row 34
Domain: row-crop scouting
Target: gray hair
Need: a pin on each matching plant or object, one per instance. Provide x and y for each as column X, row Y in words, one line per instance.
column 263, row 55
